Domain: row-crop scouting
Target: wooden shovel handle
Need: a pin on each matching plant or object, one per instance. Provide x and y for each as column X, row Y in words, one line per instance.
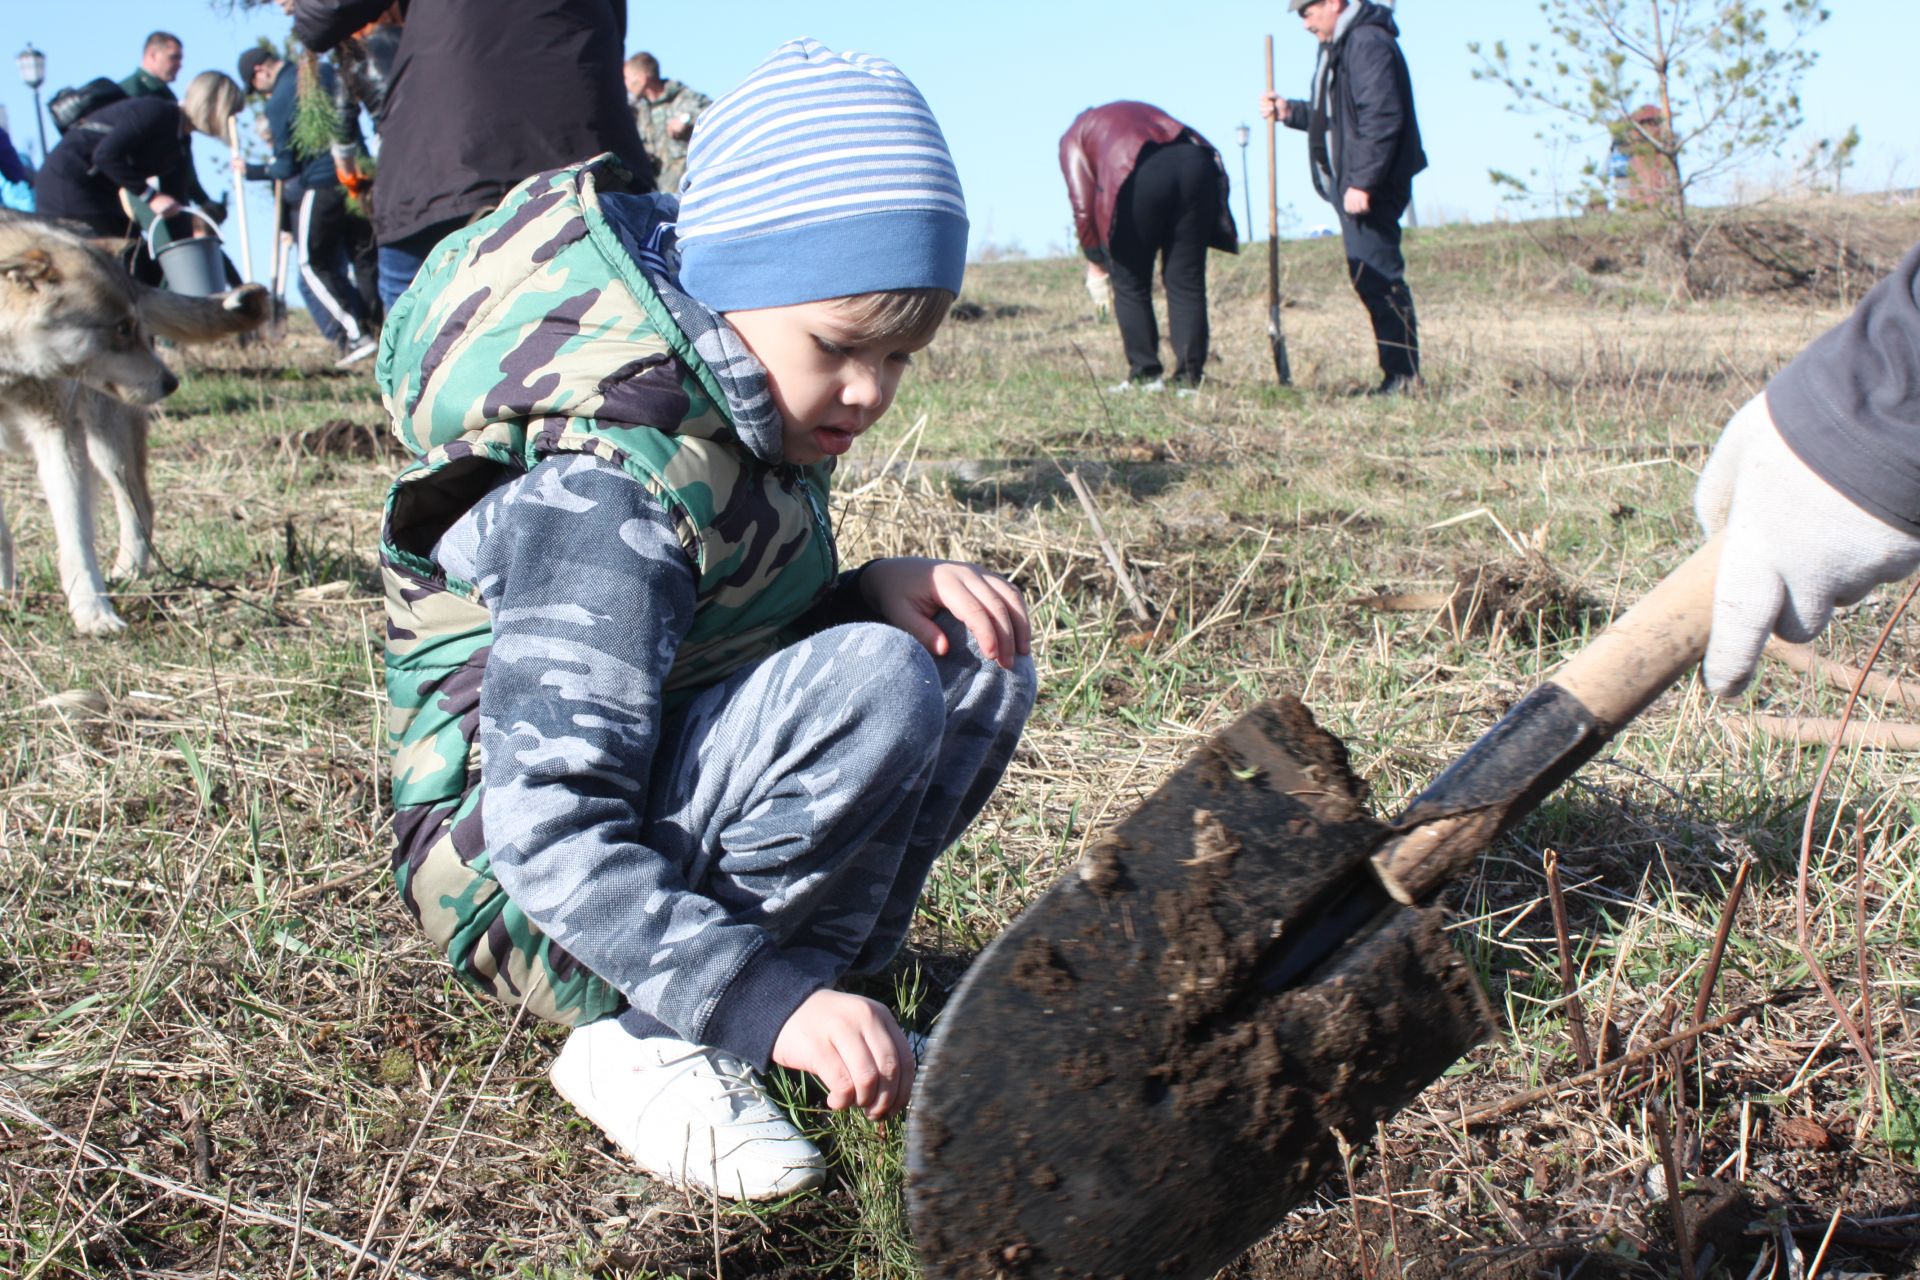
column 1650, row 646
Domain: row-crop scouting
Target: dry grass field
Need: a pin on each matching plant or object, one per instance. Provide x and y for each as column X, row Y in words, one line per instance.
column 224, row 1050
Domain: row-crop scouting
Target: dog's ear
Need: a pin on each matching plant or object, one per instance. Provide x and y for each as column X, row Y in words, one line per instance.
column 29, row 269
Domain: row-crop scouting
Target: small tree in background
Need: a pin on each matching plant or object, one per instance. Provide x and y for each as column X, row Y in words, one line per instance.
column 1724, row 88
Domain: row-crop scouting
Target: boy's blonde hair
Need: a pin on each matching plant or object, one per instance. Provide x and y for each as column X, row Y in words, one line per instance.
column 212, row 99
column 907, row 316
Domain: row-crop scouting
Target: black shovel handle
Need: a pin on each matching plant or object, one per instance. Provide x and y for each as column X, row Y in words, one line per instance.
column 1552, row 731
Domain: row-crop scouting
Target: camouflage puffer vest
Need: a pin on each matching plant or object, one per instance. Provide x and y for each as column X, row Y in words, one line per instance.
column 531, row 333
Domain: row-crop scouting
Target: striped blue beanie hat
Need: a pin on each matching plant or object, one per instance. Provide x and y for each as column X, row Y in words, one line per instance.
column 822, row 175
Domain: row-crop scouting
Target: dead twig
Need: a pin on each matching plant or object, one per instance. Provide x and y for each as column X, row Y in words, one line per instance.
column 1570, row 1006
column 1386, row 1187
column 1720, row 934
column 1676, row 1202
column 1521, row 1101
column 1353, row 1204
column 1114, row 561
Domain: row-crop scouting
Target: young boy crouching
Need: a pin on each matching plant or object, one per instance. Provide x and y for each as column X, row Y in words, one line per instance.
column 662, row 772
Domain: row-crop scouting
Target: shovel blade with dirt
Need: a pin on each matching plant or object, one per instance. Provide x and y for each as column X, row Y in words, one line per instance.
column 1164, row 1054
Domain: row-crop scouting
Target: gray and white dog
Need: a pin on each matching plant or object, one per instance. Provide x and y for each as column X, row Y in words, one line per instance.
column 77, row 368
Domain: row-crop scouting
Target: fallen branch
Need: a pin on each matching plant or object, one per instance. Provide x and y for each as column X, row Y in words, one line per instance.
column 1824, row 730
column 1521, row 1101
column 1802, row 658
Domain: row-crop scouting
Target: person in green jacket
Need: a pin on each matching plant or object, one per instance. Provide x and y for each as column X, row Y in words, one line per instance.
column 160, row 60
column 662, row 772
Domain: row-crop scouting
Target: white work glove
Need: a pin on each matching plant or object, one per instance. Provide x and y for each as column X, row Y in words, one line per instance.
column 1100, row 289
column 1795, row 547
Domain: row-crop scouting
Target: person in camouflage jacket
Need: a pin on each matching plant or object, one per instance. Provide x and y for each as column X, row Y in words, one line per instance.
column 661, row 771
column 664, row 111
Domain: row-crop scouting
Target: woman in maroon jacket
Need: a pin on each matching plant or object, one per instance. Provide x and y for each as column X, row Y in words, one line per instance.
column 1143, row 185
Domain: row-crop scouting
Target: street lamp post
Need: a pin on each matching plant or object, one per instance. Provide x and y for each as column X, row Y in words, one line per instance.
column 33, row 70
column 1243, row 134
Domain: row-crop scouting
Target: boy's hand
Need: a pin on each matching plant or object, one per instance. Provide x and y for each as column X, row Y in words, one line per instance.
column 909, row 590
column 854, row 1047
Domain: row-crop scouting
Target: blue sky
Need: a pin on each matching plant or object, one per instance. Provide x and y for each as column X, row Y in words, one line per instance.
column 1006, row 78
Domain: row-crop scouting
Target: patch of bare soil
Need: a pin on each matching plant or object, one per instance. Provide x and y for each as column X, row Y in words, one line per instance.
column 343, row 438
column 1815, row 255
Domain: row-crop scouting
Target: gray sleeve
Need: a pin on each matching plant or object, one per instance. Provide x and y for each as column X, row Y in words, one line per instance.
column 591, row 595
column 1849, row 405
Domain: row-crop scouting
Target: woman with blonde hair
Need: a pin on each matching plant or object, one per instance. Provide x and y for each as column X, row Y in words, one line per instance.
column 212, row 99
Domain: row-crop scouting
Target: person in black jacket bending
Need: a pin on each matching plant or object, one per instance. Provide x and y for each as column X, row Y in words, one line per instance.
column 1142, row 186
column 119, row 147
column 1363, row 143
column 483, row 93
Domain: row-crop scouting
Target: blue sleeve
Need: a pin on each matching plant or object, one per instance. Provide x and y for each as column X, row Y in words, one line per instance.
column 591, row 595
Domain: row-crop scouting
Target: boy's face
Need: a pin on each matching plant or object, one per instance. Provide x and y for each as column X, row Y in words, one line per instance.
column 829, row 385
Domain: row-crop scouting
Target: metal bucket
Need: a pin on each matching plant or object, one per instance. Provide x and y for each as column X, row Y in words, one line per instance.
column 195, row 266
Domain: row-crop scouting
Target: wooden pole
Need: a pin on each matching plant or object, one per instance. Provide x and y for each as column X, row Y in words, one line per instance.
column 1276, row 336
column 240, row 201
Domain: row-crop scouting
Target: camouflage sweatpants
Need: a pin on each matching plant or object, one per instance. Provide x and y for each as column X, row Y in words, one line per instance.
column 807, row 795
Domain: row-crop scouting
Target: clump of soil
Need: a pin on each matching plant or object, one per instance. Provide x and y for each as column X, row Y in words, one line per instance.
column 343, row 438
column 1525, row 597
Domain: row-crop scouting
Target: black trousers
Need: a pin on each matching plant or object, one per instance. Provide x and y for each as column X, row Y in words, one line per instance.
column 334, row 252
column 1167, row 208
column 1378, row 272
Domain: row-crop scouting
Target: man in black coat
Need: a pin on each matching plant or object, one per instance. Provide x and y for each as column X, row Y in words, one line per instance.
column 1363, row 143
column 482, row 94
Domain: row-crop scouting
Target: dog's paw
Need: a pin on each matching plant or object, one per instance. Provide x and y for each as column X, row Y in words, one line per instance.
column 250, row 300
column 96, row 618
column 125, row 568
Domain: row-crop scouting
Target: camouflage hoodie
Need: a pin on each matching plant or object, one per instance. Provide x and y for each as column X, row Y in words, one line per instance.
column 553, row 327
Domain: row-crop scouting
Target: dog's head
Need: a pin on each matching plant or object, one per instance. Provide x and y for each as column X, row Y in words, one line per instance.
column 69, row 310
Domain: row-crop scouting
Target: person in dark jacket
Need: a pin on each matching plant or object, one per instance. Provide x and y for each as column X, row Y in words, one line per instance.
column 1142, row 186
column 1816, row 482
column 1363, row 143
column 329, row 242
column 483, row 94
column 112, row 151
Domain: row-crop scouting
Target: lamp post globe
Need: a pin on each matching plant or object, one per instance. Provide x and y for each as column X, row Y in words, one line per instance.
column 33, row 70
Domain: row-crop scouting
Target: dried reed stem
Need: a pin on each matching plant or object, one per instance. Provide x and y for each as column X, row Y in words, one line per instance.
column 1803, row 931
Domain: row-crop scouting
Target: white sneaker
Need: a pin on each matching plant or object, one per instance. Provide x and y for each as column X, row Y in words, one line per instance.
column 1121, row 388
column 685, row 1113
column 357, row 352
